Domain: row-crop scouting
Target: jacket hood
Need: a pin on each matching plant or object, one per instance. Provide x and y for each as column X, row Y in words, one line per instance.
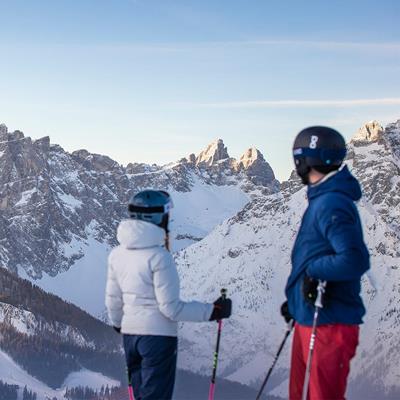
column 136, row 234
column 342, row 182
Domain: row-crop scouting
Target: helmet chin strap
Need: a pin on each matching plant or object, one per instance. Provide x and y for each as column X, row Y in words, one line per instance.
column 303, row 170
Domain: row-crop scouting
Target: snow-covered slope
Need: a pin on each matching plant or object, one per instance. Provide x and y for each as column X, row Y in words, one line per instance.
column 91, row 379
column 58, row 344
column 59, row 211
column 250, row 255
column 12, row 373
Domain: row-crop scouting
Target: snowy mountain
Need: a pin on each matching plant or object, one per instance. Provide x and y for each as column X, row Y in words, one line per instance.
column 234, row 226
column 250, row 255
column 59, row 211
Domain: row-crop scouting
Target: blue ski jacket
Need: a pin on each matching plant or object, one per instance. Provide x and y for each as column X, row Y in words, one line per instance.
column 330, row 246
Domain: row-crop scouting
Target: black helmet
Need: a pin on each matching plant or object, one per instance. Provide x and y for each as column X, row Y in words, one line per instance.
column 318, row 147
column 152, row 206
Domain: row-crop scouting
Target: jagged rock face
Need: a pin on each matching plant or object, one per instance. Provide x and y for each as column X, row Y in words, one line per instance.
column 215, row 151
column 370, row 132
column 256, row 168
column 52, row 202
column 250, row 255
column 377, row 164
column 219, row 168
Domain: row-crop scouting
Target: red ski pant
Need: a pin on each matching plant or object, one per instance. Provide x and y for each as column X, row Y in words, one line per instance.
column 335, row 346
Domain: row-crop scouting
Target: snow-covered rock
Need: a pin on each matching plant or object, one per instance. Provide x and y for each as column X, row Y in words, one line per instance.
column 50, row 199
column 256, row 168
column 215, row 152
column 370, row 132
column 59, row 211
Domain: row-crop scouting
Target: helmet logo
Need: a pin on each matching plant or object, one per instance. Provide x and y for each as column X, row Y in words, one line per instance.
column 313, row 142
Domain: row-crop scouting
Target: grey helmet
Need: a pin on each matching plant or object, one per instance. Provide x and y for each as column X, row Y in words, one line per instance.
column 151, row 206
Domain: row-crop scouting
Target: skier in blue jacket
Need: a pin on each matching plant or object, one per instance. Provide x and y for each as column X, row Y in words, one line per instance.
column 329, row 247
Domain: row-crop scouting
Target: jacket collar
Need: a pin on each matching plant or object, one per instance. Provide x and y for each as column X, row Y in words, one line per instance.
column 136, row 234
column 340, row 182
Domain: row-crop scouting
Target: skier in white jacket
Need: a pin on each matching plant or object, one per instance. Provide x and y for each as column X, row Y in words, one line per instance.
column 142, row 296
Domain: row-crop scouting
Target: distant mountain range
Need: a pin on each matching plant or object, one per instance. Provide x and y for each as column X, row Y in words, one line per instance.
column 233, row 226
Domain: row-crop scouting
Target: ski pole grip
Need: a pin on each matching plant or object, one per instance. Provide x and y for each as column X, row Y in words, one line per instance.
column 223, row 293
column 320, row 294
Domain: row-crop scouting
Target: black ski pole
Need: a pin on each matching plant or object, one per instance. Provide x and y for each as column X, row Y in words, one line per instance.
column 318, row 306
column 288, row 330
column 216, row 353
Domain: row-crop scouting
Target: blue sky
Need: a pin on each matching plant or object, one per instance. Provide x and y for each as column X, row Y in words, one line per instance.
column 151, row 81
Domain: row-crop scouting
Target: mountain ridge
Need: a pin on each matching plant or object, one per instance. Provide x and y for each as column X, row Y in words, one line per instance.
column 49, row 197
column 230, row 231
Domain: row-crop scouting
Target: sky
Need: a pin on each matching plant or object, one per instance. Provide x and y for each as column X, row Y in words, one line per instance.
column 154, row 80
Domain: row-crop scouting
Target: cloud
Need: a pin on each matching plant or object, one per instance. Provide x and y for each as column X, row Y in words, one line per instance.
column 387, row 47
column 302, row 103
column 329, row 44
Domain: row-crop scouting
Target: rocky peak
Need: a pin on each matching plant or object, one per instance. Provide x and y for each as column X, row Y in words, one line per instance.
column 95, row 161
column 249, row 157
column 6, row 136
column 43, row 143
column 370, row 132
column 215, row 152
column 253, row 163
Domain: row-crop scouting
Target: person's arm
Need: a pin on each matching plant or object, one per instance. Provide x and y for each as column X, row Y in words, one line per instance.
column 166, row 287
column 114, row 301
column 350, row 258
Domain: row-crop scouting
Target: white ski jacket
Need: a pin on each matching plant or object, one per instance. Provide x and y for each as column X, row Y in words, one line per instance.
column 142, row 292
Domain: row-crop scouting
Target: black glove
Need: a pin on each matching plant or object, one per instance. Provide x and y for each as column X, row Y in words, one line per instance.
column 222, row 309
column 116, row 329
column 285, row 312
column 310, row 291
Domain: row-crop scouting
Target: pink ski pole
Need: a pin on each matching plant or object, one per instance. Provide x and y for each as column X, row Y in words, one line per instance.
column 215, row 363
column 130, row 388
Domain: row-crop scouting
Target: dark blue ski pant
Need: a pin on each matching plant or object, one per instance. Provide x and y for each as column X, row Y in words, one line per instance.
column 151, row 362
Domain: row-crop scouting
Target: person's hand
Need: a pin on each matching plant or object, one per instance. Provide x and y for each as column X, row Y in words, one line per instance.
column 222, row 309
column 116, row 329
column 310, row 289
column 285, row 312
